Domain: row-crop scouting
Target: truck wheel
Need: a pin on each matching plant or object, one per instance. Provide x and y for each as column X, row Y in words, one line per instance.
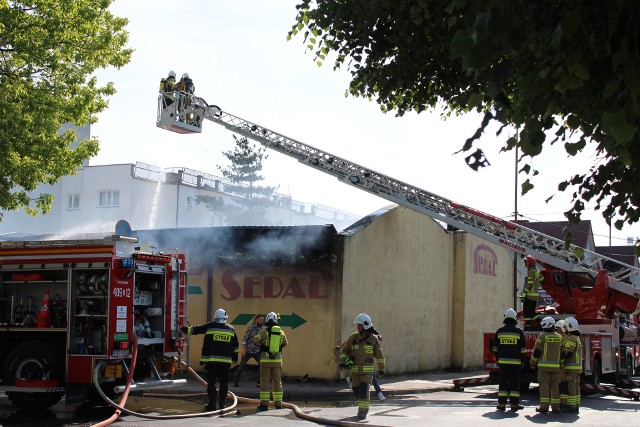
column 596, row 374
column 32, row 360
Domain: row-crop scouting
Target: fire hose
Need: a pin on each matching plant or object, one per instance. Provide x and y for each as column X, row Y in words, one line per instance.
column 121, row 409
column 244, row 400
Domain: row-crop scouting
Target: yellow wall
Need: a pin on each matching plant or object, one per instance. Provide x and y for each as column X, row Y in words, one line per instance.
column 482, row 292
column 306, row 291
column 397, row 270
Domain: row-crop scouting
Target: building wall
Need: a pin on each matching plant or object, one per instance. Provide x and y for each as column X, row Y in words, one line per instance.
column 398, row 270
column 483, row 290
column 304, row 296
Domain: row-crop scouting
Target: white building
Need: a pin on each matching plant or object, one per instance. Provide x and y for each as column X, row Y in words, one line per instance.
column 148, row 197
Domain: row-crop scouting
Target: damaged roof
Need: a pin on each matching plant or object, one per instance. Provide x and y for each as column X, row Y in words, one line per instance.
column 309, row 242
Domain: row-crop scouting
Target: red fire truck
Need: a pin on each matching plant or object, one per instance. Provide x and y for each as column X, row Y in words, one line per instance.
column 69, row 309
column 610, row 345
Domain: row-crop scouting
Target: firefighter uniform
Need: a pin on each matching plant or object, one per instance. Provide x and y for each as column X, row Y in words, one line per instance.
column 270, row 364
column 572, row 357
column 509, row 347
column 220, row 348
column 546, row 355
column 530, row 294
column 361, row 352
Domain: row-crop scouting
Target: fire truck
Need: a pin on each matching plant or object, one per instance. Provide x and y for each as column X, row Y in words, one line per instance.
column 575, row 277
column 69, row 310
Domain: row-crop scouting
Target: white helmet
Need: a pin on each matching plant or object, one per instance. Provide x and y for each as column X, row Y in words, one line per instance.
column 185, row 76
column 271, row 317
column 172, row 73
column 220, row 316
column 560, row 324
column 510, row 314
column 548, row 322
column 571, row 323
column 364, row 320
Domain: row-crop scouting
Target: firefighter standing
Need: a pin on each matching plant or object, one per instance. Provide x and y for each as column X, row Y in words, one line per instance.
column 360, row 353
column 219, row 349
column 546, row 357
column 271, row 341
column 530, row 291
column 168, row 85
column 572, row 358
column 563, row 387
column 509, row 347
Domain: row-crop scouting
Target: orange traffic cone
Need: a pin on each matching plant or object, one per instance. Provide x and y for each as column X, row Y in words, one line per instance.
column 44, row 317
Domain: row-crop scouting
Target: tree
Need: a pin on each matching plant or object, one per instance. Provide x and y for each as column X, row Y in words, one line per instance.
column 48, row 52
column 244, row 173
column 555, row 71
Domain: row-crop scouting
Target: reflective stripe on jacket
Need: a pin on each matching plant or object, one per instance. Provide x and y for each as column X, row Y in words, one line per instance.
column 573, row 351
column 220, row 342
column 509, row 345
column 365, row 351
column 547, row 351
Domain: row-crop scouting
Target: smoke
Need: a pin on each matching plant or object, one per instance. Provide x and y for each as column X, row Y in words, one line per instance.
column 242, row 244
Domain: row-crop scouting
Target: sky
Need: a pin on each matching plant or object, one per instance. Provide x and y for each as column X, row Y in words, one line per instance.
column 237, row 54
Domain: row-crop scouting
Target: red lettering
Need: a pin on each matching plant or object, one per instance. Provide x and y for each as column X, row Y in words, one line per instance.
column 269, row 287
column 294, row 289
column 230, row 285
column 314, row 288
column 249, row 283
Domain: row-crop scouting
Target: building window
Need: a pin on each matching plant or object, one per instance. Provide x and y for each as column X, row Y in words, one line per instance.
column 73, row 201
column 108, row 198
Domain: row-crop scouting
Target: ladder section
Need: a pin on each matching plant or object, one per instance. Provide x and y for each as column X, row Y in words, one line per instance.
column 520, row 239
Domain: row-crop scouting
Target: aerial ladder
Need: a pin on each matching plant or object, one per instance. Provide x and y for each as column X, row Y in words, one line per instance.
column 522, row 240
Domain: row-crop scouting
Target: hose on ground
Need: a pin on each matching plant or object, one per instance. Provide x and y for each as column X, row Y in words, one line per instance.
column 296, row 410
column 121, row 409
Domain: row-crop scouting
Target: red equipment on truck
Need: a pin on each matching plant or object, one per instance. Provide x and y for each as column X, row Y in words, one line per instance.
column 575, row 276
column 96, row 286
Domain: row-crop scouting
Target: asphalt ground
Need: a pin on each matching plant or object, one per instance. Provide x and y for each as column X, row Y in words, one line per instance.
column 304, row 389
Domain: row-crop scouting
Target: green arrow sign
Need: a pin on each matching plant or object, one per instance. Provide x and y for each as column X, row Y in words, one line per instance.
column 243, row 319
column 286, row 320
column 291, row 320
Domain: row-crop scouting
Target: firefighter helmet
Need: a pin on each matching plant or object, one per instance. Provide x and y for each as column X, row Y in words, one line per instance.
column 530, row 261
column 547, row 322
column 560, row 324
column 571, row 323
column 364, row 320
column 220, row 316
column 172, row 74
column 271, row 317
column 510, row 314
column 185, row 76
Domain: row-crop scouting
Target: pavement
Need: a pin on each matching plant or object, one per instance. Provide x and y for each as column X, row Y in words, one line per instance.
column 302, row 389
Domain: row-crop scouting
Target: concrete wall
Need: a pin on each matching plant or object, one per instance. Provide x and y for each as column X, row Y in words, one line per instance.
column 482, row 291
column 397, row 270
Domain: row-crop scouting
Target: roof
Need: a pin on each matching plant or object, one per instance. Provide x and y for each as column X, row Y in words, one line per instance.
column 365, row 221
column 624, row 254
column 581, row 232
column 309, row 242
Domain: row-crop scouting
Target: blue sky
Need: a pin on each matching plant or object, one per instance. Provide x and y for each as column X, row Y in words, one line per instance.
column 238, row 56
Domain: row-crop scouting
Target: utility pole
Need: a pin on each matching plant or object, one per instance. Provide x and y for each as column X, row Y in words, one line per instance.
column 515, row 218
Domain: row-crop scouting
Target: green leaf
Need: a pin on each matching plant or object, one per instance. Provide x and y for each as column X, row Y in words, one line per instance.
column 461, row 43
column 526, row 187
column 475, row 99
column 578, row 251
column 581, row 72
column 617, row 125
